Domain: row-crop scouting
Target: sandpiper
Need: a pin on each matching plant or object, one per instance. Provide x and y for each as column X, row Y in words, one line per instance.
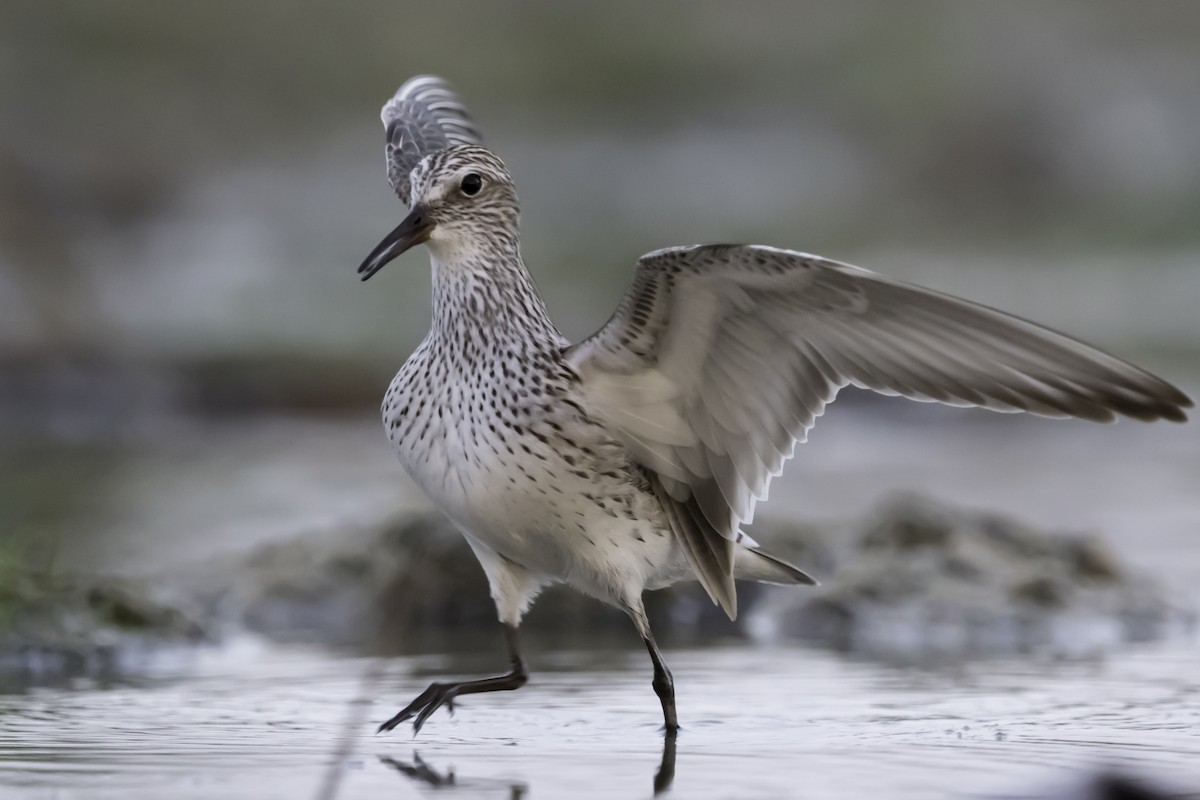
column 629, row 461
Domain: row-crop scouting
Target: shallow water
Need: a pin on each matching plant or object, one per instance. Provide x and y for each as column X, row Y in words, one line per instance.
column 269, row 722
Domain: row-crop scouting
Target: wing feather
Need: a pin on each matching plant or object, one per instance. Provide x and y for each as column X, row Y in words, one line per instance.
column 720, row 359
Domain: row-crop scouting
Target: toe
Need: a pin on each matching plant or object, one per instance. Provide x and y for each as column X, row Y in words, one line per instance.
column 419, row 704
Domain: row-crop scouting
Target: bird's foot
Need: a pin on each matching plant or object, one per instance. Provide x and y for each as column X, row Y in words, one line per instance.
column 427, row 702
column 442, row 694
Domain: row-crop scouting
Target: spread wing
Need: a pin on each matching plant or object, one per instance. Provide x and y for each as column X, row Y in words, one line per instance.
column 423, row 117
column 720, row 358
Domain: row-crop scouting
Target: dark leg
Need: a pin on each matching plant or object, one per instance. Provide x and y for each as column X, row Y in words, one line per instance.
column 442, row 694
column 663, row 683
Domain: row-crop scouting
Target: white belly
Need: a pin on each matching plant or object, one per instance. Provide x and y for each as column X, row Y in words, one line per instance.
column 561, row 507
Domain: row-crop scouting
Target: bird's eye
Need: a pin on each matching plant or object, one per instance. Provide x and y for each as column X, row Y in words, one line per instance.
column 471, row 184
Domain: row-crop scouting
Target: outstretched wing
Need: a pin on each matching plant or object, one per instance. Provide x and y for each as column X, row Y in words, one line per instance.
column 423, row 117
column 720, row 358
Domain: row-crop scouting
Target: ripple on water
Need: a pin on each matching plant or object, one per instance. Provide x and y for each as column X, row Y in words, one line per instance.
column 758, row 723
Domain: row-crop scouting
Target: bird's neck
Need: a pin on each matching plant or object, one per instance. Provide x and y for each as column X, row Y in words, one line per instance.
column 489, row 297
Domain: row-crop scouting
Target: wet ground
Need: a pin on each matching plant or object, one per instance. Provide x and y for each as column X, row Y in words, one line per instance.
column 757, row 723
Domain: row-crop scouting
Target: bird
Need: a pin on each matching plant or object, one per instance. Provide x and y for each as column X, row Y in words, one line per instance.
column 630, row 460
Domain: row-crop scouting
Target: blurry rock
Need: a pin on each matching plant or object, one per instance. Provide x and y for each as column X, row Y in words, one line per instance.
column 51, row 626
column 352, row 587
column 923, row 580
column 413, row 582
column 919, row 581
column 409, row 584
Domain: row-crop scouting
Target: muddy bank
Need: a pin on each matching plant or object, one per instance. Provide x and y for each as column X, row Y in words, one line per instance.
column 915, row 580
column 51, row 627
column 920, row 580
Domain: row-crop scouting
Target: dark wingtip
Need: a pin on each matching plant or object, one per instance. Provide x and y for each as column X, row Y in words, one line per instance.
column 1176, row 414
column 1170, row 406
column 1174, row 401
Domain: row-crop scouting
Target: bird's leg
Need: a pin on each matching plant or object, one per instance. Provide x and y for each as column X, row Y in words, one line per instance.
column 442, row 694
column 663, row 683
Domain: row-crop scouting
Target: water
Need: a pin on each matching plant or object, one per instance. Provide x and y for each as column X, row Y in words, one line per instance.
column 258, row 723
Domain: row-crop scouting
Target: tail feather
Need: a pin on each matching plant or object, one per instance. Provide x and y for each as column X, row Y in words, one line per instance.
column 752, row 564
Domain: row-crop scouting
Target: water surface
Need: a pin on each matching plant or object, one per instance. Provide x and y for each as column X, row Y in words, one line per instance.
column 269, row 722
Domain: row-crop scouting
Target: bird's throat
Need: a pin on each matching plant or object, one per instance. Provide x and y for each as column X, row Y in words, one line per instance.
column 488, row 297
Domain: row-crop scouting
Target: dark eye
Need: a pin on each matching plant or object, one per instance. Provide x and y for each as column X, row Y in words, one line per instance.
column 471, row 184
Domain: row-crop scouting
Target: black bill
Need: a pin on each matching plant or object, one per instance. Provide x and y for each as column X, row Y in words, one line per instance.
column 414, row 230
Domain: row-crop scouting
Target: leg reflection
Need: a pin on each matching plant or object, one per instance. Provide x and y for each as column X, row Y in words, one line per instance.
column 420, row 770
column 666, row 768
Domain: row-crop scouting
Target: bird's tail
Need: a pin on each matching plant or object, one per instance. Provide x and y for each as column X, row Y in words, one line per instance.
column 752, row 564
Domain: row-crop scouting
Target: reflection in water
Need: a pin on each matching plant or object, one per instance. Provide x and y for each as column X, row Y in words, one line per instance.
column 1112, row 786
column 270, row 723
column 666, row 768
column 420, row 770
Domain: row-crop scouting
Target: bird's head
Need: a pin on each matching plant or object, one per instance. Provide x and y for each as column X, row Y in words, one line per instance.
column 462, row 201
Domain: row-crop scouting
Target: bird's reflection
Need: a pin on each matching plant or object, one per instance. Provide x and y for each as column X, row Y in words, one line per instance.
column 420, row 770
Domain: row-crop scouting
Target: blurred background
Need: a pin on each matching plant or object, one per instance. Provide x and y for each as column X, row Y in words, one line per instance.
column 190, row 369
column 185, row 193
